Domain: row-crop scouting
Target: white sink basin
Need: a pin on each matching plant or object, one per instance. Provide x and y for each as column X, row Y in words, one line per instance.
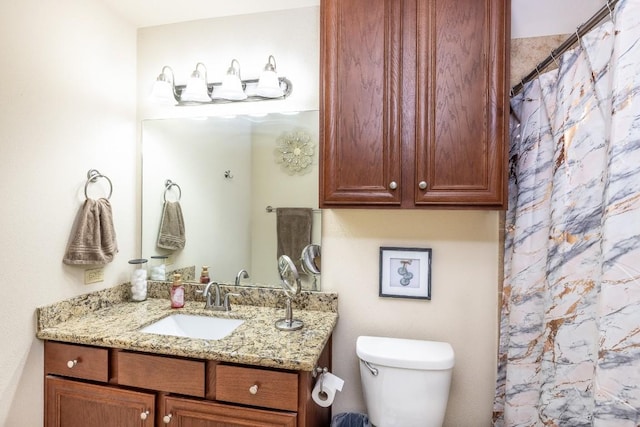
column 193, row 326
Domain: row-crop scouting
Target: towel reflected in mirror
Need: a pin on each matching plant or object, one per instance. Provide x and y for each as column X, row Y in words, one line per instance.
column 293, row 230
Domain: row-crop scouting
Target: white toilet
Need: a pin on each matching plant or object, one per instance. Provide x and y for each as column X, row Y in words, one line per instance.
column 405, row 382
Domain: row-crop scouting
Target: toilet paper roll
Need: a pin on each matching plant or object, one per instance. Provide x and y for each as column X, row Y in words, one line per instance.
column 324, row 392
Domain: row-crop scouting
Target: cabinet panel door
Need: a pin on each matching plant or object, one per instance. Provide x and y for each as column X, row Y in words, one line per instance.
column 77, row 404
column 192, row 413
column 360, row 92
column 461, row 98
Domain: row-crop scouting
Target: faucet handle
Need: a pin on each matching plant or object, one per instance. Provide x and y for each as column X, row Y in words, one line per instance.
column 227, row 304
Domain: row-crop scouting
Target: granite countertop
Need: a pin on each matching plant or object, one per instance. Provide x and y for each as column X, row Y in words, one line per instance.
column 110, row 321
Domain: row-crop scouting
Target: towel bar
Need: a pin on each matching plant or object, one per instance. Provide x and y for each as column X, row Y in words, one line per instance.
column 271, row 209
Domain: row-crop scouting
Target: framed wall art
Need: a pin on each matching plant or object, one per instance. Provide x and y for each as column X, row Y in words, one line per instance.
column 405, row 272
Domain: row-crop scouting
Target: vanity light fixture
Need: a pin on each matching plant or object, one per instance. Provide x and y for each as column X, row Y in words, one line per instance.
column 268, row 85
column 198, row 91
column 231, row 88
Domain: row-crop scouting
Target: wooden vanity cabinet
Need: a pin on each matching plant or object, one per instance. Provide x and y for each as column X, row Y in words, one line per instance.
column 91, row 386
column 72, row 403
column 413, row 103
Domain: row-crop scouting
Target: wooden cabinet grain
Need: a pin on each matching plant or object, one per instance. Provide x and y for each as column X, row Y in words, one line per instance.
column 72, row 403
column 414, row 96
column 91, row 386
column 185, row 412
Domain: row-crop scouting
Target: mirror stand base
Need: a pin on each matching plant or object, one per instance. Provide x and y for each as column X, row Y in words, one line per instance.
column 289, row 324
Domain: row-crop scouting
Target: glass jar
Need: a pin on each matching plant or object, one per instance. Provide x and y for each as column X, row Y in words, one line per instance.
column 138, row 279
column 158, row 269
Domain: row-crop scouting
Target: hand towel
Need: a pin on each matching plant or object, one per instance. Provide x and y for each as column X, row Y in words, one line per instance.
column 171, row 234
column 93, row 237
column 293, row 230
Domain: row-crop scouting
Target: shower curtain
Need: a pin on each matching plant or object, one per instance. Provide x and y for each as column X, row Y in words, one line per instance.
column 569, row 351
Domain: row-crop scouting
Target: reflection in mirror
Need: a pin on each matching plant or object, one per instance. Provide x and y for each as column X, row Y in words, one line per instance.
column 229, row 170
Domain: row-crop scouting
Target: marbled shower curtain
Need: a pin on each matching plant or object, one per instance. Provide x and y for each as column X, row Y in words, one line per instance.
column 570, row 323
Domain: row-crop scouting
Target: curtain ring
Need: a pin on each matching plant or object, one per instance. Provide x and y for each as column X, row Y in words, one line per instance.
column 610, row 10
column 578, row 36
column 554, row 59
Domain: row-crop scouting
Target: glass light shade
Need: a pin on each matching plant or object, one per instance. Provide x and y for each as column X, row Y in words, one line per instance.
column 196, row 90
column 162, row 92
column 230, row 89
column 269, row 85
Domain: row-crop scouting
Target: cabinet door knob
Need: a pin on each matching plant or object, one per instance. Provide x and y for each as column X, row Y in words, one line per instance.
column 393, row 185
column 253, row 389
column 422, row 185
column 72, row 363
column 144, row 415
column 167, row 418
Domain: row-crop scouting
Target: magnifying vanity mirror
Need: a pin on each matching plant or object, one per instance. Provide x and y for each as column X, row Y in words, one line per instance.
column 233, row 173
column 291, row 286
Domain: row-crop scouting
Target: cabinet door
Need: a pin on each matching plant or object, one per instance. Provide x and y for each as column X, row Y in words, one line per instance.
column 360, row 159
column 193, row 413
column 76, row 404
column 461, row 97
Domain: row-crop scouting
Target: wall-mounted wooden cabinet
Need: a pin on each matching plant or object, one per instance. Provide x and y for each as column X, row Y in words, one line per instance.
column 414, row 103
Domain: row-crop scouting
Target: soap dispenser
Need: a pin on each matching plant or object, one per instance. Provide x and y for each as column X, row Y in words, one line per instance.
column 177, row 292
column 204, row 277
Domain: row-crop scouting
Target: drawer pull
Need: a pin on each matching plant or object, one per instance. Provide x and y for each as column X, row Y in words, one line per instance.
column 72, row 363
column 253, row 389
column 167, row 418
column 393, row 185
column 422, row 185
column 144, row 415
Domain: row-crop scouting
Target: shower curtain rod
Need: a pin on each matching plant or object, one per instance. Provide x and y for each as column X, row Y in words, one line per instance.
column 606, row 10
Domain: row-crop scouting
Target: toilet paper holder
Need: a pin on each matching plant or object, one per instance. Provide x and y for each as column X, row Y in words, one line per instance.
column 320, row 371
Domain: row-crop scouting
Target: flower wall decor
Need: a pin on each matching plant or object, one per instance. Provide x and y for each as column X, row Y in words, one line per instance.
column 294, row 151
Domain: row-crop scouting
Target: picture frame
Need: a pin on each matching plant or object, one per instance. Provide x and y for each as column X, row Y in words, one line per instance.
column 405, row 272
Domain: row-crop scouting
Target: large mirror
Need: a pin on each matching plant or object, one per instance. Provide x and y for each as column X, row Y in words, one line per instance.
column 230, row 175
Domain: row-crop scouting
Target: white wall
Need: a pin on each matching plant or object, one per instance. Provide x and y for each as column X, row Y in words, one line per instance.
column 67, row 105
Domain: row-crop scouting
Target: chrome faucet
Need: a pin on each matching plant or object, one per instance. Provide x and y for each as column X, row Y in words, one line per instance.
column 216, row 302
column 242, row 274
column 212, row 303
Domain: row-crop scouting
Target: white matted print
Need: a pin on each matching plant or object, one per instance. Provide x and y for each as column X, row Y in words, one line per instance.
column 405, row 272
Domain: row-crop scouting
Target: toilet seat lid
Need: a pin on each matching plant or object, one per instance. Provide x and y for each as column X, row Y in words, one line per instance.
column 405, row 353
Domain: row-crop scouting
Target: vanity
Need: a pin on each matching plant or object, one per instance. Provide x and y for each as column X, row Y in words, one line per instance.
column 100, row 369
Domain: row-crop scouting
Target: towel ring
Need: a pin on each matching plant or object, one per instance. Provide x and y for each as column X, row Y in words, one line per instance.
column 92, row 176
column 168, row 185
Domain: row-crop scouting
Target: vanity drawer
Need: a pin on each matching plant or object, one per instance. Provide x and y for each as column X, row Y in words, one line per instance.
column 161, row 373
column 257, row 387
column 77, row 361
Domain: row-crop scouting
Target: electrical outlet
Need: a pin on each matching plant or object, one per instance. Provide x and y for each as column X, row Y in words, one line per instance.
column 94, row 275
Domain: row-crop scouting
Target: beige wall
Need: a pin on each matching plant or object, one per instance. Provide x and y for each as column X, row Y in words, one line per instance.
column 67, row 104
column 462, row 310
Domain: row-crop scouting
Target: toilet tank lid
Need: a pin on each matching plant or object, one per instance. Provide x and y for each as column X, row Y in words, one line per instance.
column 405, row 353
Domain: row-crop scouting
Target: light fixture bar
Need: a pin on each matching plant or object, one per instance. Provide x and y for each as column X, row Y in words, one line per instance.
column 250, row 85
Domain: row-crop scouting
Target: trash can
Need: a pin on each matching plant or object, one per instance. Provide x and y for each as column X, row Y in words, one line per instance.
column 350, row 419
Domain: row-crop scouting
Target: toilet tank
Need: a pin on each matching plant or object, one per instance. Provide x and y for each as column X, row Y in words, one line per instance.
column 411, row 387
